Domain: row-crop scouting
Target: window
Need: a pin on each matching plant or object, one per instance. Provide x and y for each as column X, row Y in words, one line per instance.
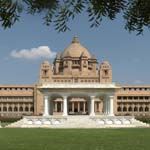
column 15, row 109
column 76, row 80
column 124, row 97
column 119, row 97
column 141, row 97
column 26, row 108
column 10, row 108
column 119, row 109
column 4, row 108
column 146, row 109
column 130, row 108
column 105, row 72
column 135, row 108
column 124, row 108
column 21, row 109
column 31, row 108
column 135, row 97
column 45, row 72
column 141, row 109
column 130, row 97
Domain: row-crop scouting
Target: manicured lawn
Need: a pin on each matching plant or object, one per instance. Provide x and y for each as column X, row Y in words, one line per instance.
column 75, row 139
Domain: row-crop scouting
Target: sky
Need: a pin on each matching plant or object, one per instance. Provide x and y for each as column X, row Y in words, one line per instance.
column 29, row 42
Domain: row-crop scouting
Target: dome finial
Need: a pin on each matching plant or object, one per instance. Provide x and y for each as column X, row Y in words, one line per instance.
column 75, row 39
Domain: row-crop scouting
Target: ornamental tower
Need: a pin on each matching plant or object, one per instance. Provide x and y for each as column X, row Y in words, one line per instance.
column 76, row 64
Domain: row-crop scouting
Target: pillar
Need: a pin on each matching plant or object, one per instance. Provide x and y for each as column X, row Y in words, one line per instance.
column 108, row 106
column 61, row 106
column 55, row 102
column 92, row 112
column 111, row 105
column 46, row 106
column 105, row 106
column 78, row 106
column 65, row 113
column 72, row 106
column 84, row 107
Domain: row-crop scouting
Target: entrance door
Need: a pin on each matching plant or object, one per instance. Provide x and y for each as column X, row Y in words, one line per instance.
column 78, row 108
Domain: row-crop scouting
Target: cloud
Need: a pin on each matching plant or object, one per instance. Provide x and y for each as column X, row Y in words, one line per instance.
column 34, row 53
column 138, row 82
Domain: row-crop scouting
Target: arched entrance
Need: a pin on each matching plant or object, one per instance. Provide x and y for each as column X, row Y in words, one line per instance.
column 78, row 106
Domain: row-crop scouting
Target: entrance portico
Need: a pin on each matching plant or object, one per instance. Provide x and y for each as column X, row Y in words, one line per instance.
column 84, row 101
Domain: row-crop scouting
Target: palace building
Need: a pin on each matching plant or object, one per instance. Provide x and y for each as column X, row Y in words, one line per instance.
column 76, row 84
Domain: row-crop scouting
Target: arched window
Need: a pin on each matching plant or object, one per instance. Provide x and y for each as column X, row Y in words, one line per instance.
column 15, row 108
column 4, row 108
column 26, row 108
column 21, row 108
column 10, row 108
column 124, row 108
column 130, row 108
column 146, row 109
column 141, row 109
column 119, row 109
column 135, row 108
column 31, row 108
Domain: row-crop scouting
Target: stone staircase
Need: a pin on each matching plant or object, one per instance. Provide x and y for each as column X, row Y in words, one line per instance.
column 78, row 122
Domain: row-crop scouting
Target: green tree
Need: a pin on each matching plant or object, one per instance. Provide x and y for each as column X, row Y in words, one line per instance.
column 60, row 12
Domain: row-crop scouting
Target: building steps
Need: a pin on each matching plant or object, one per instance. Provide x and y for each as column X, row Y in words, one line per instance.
column 78, row 122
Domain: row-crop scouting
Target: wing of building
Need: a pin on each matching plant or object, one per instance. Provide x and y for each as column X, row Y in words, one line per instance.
column 75, row 84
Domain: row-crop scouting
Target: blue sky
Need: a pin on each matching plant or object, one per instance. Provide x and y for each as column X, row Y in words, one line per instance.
column 128, row 54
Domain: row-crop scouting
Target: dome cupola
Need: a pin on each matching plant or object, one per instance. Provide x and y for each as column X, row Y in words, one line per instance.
column 75, row 49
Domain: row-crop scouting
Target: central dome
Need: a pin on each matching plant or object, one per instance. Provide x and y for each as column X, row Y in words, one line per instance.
column 75, row 49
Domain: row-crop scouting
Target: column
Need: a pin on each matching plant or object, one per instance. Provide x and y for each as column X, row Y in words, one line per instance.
column 78, row 106
column 55, row 102
column 61, row 106
column 111, row 102
column 65, row 113
column 95, row 106
column 92, row 113
column 105, row 106
column 72, row 106
column 84, row 107
column 108, row 106
column 46, row 106
column 29, row 107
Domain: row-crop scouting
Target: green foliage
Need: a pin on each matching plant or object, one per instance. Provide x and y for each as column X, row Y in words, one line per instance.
column 137, row 15
column 60, row 12
column 4, row 121
column 145, row 119
column 9, row 119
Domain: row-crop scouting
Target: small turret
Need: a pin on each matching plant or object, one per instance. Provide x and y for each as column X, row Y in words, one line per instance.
column 105, row 72
column 45, row 72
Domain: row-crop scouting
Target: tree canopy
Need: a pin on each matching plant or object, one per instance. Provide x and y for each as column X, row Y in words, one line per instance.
column 59, row 13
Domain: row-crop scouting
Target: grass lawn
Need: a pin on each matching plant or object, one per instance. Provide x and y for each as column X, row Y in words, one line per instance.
column 75, row 139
